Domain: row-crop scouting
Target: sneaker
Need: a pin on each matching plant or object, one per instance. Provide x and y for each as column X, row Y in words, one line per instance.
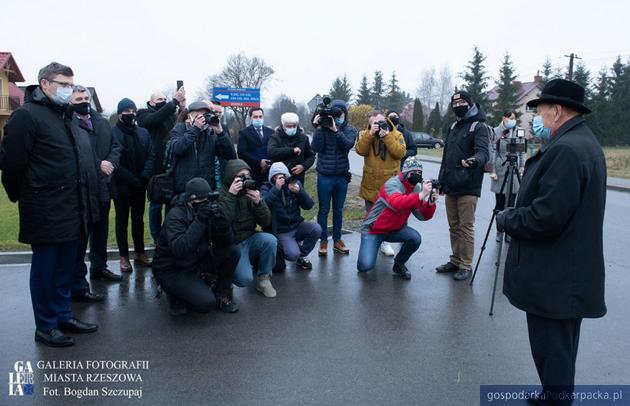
column 387, row 250
column 125, row 265
column 499, row 236
column 225, row 304
column 447, row 267
column 323, row 248
column 462, row 274
column 340, row 247
column 401, row 270
column 263, row 285
column 304, row 263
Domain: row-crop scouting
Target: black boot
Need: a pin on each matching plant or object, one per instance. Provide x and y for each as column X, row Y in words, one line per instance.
column 225, row 303
column 105, row 274
column 175, row 306
column 401, row 269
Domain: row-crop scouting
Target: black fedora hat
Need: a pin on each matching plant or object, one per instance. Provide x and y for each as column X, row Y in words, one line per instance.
column 562, row 92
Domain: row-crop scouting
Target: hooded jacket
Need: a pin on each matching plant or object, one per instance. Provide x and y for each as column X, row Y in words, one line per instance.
column 41, row 170
column 158, row 123
column 381, row 161
column 332, row 148
column 460, row 144
column 240, row 210
column 397, row 200
column 285, row 206
column 194, row 151
column 280, row 149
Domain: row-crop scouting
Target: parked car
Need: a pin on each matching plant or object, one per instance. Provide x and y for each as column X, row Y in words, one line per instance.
column 424, row 140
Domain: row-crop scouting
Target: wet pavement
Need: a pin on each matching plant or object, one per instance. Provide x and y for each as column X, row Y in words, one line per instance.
column 331, row 336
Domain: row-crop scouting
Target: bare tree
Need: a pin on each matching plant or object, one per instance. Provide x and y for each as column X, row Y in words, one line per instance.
column 445, row 85
column 243, row 72
column 427, row 91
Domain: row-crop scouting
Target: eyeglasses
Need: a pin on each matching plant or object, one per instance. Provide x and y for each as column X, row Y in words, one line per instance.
column 62, row 84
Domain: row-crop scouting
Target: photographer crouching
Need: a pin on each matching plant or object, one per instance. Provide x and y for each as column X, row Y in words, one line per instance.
column 196, row 240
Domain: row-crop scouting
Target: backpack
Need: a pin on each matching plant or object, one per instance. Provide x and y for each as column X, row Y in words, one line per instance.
column 161, row 187
column 488, row 167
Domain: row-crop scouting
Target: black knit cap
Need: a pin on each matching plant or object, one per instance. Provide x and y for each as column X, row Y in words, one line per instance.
column 125, row 104
column 464, row 95
column 197, row 188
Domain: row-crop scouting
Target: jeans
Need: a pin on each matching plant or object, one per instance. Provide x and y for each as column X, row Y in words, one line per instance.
column 370, row 243
column 307, row 233
column 123, row 205
column 98, row 239
column 52, row 266
column 155, row 220
column 259, row 249
column 328, row 187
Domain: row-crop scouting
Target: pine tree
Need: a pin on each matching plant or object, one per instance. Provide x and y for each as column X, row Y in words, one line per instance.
column 582, row 77
column 599, row 104
column 395, row 99
column 618, row 120
column 418, row 116
column 547, row 73
column 507, row 89
column 476, row 79
column 378, row 99
column 447, row 120
column 364, row 95
column 434, row 123
column 341, row 89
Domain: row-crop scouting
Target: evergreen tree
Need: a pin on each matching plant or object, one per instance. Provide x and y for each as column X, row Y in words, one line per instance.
column 434, row 123
column 447, row 120
column 599, row 104
column 582, row 77
column 395, row 99
column 378, row 99
column 364, row 95
column 618, row 119
column 476, row 79
column 341, row 89
column 282, row 104
column 418, row 116
column 547, row 73
column 507, row 89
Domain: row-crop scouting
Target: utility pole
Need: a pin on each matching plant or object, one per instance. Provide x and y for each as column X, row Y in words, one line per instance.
column 571, row 57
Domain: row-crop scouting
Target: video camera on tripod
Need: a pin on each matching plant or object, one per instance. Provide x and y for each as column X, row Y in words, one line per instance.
column 516, row 143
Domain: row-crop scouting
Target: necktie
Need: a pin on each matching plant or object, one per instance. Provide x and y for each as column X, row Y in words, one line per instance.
column 260, row 132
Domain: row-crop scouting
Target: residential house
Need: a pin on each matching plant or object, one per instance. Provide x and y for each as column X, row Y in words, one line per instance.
column 11, row 97
column 526, row 91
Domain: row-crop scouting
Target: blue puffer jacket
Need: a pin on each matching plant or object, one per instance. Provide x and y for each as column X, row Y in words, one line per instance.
column 332, row 148
column 194, row 151
column 285, row 206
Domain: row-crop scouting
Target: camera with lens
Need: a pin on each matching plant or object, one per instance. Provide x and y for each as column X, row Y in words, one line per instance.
column 435, row 184
column 382, row 125
column 212, row 118
column 516, row 143
column 248, row 184
column 213, row 201
column 327, row 114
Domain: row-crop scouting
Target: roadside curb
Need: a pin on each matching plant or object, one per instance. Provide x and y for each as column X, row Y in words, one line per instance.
column 24, row 257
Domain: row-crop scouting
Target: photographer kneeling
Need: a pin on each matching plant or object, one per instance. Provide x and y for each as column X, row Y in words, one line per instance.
column 196, row 239
column 386, row 220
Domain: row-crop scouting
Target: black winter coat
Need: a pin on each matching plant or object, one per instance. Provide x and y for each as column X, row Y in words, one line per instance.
column 158, row 123
column 280, row 149
column 332, row 148
column 90, row 188
column 194, row 151
column 252, row 150
column 285, row 206
column 135, row 165
column 461, row 144
column 412, row 148
column 40, row 163
column 106, row 148
column 555, row 263
column 184, row 240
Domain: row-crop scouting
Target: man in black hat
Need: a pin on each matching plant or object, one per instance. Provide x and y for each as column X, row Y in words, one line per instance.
column 461, row 174
column 554, row 269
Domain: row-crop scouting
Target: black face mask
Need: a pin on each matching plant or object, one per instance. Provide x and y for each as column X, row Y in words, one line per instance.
column 160, row 105
column 395, row 120
column 414, row 178
column 128, row 119
column 460, row 111
column 81, row 108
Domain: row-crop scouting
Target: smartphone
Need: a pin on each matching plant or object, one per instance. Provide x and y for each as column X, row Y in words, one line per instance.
column 180, row 83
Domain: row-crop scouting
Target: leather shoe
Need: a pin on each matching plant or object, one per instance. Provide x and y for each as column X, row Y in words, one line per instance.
column 53, row 338
column 77, row 326
column 105, row 274
column 141, row 259
column 125, row 265
column 88, row 297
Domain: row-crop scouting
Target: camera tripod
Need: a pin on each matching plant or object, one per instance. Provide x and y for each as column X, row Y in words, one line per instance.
column 511, row 160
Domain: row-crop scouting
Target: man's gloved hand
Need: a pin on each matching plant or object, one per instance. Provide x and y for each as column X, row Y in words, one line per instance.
column 204, row 212
column 501, row 220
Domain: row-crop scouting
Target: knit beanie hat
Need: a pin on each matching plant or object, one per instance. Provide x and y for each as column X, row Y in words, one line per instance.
column 411, row 164
column 125, row 104
column 197, row 188
column 462, row 94
column 276, row 168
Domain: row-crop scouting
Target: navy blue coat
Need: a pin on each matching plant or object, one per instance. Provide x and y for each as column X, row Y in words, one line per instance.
column 194, row 151
column 285, row 206
column 135, row 167
column 412, row 149
column 252, row 149
column 332, row 148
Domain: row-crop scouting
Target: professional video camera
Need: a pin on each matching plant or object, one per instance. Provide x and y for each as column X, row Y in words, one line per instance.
column 327, row 114
column 516, row 144
column 212, row 118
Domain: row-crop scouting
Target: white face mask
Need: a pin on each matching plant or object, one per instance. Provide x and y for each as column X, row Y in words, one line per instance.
column 63, row 95
column 291, row 131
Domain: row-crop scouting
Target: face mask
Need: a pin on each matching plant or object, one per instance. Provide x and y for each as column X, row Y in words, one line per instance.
column 82, row 108
column 395, row 120
column 539, row 128
column 460, row 111
column 510, row 124
column 258, row 122
column 128, row 119
column 414, row 178
column 160, row 105
column 62, row 96
column 339, row 121
column 291, row 131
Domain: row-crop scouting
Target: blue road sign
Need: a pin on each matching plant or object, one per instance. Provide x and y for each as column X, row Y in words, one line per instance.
column 232, row 96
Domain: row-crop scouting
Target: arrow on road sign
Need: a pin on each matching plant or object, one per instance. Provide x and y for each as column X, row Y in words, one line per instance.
column 222, row 97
